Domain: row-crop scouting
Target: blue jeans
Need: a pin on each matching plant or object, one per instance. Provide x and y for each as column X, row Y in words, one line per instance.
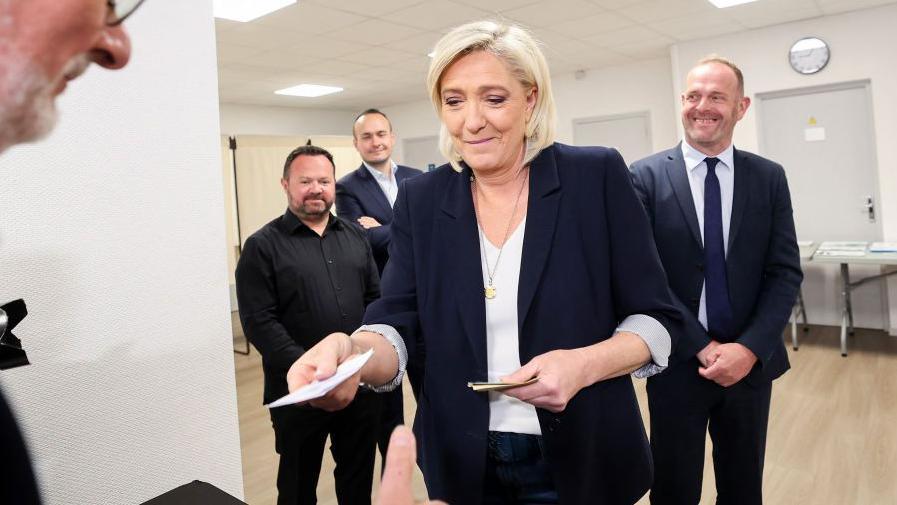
column 517, row 471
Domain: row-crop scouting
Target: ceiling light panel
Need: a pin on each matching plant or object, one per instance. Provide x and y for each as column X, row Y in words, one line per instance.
column 309, row 90
column 244, row 11
column 722, row 4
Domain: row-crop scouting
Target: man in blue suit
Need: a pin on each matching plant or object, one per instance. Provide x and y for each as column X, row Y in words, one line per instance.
column 366, row 197
column 723, row 225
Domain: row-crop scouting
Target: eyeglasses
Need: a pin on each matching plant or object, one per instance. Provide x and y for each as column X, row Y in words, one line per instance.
column 119, row 10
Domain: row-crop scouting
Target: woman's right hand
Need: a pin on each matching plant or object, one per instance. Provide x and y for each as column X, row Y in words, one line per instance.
column 319, row 363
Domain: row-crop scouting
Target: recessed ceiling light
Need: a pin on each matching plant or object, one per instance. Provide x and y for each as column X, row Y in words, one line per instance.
column 722, row 4
column 243, row 10
column 431, row 54
column 309, row 90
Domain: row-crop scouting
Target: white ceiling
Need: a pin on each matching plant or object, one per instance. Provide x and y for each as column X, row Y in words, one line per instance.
column 377, row 49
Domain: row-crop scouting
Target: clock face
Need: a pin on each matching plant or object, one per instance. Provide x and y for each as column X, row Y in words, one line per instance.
column 809, row 55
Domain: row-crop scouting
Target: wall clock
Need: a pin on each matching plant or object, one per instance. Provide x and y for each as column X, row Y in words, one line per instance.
column 809, row 55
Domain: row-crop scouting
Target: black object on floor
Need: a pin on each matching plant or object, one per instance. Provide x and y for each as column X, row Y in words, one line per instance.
column 196, row 492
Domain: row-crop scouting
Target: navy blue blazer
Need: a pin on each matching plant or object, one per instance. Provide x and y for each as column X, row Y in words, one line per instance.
column 762, row 262
column 588, row 262
column 358, row 194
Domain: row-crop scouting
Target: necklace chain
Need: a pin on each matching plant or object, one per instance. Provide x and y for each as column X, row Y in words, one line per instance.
column 489, row 288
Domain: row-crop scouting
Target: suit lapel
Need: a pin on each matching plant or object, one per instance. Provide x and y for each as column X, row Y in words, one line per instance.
column 541, row 221
column 370, row 185
column 460, row 236
column 740, row 194
column 678, row 175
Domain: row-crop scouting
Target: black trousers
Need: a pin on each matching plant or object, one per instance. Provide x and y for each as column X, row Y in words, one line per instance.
column 392, row 415
column 683, row 407
column 394, row 408
column 300, row 434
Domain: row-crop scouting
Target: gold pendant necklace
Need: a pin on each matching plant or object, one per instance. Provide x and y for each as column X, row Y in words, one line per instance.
column 489, row 288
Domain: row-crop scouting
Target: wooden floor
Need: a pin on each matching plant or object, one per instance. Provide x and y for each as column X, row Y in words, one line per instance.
column 832, row 429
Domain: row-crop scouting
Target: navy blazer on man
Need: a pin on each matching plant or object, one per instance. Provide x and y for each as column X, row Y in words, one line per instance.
column 762, row 262
column 358, row 194
column 588, row 262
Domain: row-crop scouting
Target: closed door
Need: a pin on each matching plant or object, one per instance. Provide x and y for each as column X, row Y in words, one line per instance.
column 824, row 139
column 629, row 133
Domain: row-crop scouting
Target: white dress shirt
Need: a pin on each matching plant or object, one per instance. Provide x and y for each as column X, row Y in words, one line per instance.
column 388, row 184
column 725, row 172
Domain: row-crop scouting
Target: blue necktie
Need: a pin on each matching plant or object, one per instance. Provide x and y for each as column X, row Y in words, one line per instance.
column 716, row 284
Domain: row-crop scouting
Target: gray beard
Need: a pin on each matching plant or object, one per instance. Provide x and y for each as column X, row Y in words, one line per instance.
column 27, row 109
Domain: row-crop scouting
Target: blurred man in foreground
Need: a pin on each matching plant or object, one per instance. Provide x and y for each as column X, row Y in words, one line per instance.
column 44, row 44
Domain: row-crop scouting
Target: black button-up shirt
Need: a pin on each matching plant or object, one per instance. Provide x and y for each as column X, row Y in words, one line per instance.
column 295, row 287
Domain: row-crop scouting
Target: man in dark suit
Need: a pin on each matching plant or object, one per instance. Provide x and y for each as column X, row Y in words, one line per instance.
column 366, row 196
column 723, row 225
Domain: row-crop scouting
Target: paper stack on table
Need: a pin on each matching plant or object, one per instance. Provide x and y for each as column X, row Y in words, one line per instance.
column 842, row 249
column 320, row 388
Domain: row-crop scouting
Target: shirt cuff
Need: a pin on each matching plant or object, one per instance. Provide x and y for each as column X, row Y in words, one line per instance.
column 656, row 337
column 393, row 337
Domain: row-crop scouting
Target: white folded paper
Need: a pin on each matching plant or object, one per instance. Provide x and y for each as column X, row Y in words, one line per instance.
column 883, row 247
column 320, row 388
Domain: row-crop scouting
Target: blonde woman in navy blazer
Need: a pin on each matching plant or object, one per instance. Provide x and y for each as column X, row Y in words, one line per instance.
column 522, row 258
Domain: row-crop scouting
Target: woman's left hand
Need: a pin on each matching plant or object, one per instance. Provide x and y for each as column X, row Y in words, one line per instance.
column 562, row 373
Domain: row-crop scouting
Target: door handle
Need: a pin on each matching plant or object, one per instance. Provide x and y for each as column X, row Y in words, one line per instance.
column 869, row 208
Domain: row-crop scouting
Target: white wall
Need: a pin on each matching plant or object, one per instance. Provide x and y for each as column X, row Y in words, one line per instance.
column 237, row 119
column 412, row 120
column 862, row 44
column 261, row 120
column 112, row 230
column 637, row 87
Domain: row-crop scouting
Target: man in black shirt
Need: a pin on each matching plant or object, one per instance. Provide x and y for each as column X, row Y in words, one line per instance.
column 301, row 277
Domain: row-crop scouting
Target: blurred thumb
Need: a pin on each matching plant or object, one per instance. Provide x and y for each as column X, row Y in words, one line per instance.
column 400, row 460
